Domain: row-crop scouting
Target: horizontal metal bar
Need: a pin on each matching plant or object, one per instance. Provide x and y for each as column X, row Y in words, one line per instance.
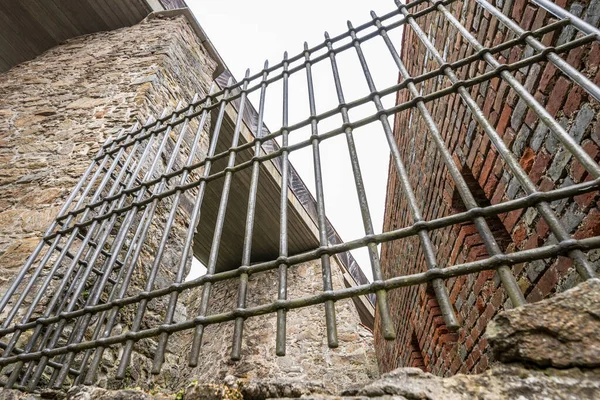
column 339, row 294
column 438, row 223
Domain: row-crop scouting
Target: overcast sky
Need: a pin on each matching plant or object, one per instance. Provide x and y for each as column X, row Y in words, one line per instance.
column 246, row 33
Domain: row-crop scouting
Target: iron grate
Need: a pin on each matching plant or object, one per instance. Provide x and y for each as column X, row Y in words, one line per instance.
column 94, row 244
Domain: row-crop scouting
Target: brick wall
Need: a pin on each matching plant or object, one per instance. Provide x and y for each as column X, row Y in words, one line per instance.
column 422, row 337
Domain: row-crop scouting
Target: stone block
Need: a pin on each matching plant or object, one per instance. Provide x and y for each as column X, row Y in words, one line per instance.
column 559, row 332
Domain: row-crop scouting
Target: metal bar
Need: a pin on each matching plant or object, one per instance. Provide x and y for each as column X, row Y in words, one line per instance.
column 206, row 290
column 332, row 340
column 194, row 220
column 392, row 89
column 564, row 14
column 104, row 230
column 441, row 292
column 505, row 274
column 340, row 294
column 241, row 303
column 104, row 212
column 119, row 241
column 52, row 273
column 148, row 216
column 277, row 66
column 103, row 158
column 280, row 334
column 438, row 223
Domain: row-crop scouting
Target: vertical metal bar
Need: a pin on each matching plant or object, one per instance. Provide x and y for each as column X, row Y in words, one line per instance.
column 56, row 265
column 212, row 262
column 554, row 58
column 241, row 303
column 250, row 214
column 504, row 272
column 580, row 260
column 461, row 185
column 141, row 234
column 332, row 340
column 29, row 287
column 283, row 218
column 438, row 285
column 18, row 279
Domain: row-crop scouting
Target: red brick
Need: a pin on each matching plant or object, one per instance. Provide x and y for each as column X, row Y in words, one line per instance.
column 528, row 17
column 539, row 166
column 490, row 185
column 575, row 56
column 504, row 119
column 539, row 19
column 573, row 100
column 498, row 166
column 547, row 282
column 512, row 218
column 586, row 199
column 517, row 10
column 577, row 170
column 534, row 241
column 527, row 159
column 502, row 90
column 562, row 265
column 542, row 228
column 535, row 295
column 547, row 78
column 557, row 97
column 499, row 193
column 590, row 225
column 509, row 137
column 477, row 166
column 531, row 116
column 519, row 234
column 593, row 59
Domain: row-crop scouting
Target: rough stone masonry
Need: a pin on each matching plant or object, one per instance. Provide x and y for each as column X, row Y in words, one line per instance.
column 55, row 112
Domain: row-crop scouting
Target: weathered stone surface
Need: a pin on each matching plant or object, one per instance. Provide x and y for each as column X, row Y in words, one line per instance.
column 55, row 113
column 95, row 393
column 559, row 332
column 501, row 382
column 308, row 358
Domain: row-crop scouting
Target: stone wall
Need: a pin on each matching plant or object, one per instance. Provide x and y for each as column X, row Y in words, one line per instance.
column 422, row 337
column 55, row 113
column 308, row 358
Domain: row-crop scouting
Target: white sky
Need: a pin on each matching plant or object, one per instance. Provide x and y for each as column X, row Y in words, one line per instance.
column 245, row 33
